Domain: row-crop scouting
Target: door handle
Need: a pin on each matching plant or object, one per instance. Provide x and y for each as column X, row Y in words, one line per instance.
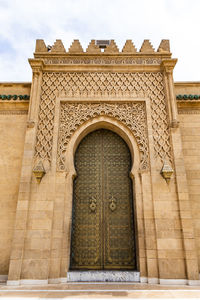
column 113, row 204
column 93, row 204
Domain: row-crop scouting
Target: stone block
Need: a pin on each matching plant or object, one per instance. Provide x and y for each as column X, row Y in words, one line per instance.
column 14, row 269
column 169, row 244
column 35, row 269
column 168, row 270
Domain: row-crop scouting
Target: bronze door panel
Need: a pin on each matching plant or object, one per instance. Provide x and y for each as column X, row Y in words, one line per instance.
column 102, row 218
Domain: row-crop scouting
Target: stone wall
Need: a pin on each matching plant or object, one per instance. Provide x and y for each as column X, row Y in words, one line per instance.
column 13, row 117
column 70, row 98
column 189, row 117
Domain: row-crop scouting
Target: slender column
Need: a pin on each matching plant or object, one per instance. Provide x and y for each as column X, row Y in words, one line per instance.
column 168, row 66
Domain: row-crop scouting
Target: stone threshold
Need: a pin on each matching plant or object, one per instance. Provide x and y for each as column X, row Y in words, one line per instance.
column 103, row 276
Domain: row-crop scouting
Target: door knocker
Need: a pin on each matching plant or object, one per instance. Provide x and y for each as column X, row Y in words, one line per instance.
column 93, row 204
column 112, row 205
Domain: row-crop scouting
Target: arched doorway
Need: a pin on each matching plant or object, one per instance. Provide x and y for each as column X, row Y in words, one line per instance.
column 102, row 218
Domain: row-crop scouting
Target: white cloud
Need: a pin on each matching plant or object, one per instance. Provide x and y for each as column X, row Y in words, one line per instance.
column 23, row 21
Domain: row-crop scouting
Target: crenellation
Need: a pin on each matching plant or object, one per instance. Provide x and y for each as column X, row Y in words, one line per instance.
column 164, row 46
column 58, row 47
column 111, row 48
column 40, row 46
column 76, row 47
column 93, row 48
column 129, row 47
column 147, row 47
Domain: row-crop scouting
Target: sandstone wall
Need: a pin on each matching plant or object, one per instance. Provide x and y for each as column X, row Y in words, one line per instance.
column 13, row 117
column 190, row 129
column 189, row 117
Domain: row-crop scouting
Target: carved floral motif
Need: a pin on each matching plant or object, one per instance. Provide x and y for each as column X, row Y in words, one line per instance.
column 74, row 114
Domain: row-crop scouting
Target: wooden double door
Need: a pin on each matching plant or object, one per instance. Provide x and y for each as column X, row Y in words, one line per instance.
column 102, row 218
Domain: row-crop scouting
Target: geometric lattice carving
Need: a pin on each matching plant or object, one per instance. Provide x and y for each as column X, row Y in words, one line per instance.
column 75, row 114
column 100, row 83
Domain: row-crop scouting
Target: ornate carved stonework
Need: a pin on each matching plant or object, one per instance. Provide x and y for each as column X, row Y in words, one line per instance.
column 189, row 111
column 103, row 61
column 100, row 83
column 13, row 112
column 75, row 114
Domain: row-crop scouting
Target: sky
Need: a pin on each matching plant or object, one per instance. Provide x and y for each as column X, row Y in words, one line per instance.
column 24, row 21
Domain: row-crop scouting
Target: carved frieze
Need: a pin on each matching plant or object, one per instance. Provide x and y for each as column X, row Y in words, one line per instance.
column 103, row 61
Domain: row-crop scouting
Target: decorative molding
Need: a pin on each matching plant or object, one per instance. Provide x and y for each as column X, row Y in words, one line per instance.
column 133, row 115
column 189, row 111
column 87, row 84
column 14, row 97
column 13, row 112
column 188, row 97
column 104, row 61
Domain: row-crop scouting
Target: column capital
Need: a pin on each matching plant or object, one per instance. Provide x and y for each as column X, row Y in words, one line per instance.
column 168, row 65
column 37, row 65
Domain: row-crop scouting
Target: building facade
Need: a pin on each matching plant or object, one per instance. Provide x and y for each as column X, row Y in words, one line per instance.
column 100, row 168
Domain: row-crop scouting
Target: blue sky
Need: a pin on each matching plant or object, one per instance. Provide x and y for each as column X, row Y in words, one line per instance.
column 24, row 21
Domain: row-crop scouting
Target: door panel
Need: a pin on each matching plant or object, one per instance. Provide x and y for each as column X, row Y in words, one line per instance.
column 102, row 220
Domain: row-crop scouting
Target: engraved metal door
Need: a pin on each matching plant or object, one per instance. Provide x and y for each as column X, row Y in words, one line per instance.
column 102, row 217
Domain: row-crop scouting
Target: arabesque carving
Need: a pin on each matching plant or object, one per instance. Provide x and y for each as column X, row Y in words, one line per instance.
column 133, row 115
column 104, row 61
column 108, row 84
